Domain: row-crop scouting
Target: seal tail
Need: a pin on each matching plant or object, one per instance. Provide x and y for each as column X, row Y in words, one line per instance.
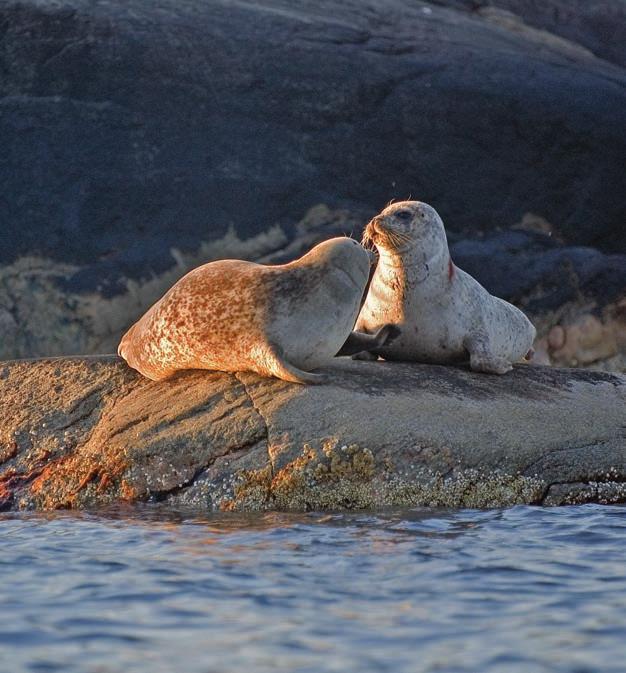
column 122, row 349
column 125, row 349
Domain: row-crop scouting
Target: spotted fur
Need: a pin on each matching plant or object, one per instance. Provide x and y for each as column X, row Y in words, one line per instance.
column 233, row 315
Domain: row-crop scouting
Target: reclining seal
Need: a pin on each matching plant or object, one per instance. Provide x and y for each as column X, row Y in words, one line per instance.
column 233, row 315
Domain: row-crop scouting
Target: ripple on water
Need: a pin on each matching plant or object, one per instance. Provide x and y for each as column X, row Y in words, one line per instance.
column 522, row 589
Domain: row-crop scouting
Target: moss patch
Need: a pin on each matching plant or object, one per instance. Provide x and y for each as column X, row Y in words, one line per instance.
column 348, row 477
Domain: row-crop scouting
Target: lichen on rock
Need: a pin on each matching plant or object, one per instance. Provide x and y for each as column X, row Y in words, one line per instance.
column 347, row 477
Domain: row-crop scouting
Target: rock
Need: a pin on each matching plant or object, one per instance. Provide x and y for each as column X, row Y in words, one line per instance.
column 89, row 432
column 598, row 26
column 133, row 129
column 540, row 274
column 587, row 340
column 576, row 296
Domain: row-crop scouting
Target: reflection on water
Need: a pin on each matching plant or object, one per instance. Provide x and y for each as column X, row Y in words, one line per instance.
column 523, row 589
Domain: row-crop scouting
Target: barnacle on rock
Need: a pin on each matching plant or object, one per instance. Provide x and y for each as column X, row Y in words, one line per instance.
column 347, row 477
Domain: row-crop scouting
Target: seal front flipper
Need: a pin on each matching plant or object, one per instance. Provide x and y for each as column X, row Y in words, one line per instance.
column 481, row 359
column 276, row 365
column 359, row 342
column 365, row 356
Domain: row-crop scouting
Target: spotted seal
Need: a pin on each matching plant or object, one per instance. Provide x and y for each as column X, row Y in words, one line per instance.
column 443, row 314
column 233, row 315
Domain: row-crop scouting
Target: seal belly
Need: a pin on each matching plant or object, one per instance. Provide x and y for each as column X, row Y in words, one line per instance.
column 425, row 340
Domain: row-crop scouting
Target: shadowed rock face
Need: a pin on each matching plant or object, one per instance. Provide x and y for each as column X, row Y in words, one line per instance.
column 88, row 432
column 132, row 127
column 598, row 26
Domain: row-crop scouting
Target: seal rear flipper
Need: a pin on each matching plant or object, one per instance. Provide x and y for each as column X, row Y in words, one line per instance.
column 481, row 359
column 126, row 349
column 130, row 350
column 277, row 365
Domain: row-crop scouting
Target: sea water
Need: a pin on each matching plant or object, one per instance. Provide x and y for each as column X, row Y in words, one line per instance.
column 146, row 590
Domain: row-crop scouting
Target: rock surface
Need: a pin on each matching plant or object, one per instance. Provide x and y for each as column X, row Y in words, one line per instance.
column 134, row 134
column 598, row 26
column 88, row 432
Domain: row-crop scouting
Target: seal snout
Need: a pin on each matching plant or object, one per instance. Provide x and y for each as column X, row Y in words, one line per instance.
column 372, row 231
column 375, row 222
column 378, row 225
column 383, row 232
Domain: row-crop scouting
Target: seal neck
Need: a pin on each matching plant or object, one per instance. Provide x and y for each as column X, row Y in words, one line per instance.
column 394, row 259
column 415, row 262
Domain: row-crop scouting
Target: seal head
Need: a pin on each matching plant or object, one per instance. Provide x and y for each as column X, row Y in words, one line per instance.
column 405, row 225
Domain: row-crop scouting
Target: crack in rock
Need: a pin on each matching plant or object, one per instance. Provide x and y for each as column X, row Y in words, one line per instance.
column 261, row 416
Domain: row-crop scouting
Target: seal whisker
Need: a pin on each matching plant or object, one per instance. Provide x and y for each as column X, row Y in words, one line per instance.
column 397, row 239
column 366, row 238
column 403, row 237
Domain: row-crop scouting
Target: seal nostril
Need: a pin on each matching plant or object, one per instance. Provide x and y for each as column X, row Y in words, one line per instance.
column 376, row 224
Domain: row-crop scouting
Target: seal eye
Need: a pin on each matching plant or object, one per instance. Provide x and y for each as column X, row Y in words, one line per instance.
column 403, row 215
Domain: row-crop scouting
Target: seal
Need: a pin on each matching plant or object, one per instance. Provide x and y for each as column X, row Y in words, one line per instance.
column 443, row 314
column 233, row 315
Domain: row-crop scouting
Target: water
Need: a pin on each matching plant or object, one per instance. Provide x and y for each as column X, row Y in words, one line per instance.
column 523, row 589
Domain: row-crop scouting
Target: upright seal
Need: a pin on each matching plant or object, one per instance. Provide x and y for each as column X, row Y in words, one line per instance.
column 233, row 315
column 442, row 313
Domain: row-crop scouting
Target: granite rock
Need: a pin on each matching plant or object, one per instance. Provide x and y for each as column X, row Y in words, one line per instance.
column 89, row 432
